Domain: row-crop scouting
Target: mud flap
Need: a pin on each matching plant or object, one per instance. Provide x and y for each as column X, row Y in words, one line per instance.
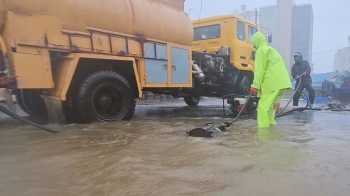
column 7, row 95
column 55, row 111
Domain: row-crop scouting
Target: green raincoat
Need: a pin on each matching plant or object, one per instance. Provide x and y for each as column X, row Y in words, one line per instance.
column 271, row 78
column 270, row 72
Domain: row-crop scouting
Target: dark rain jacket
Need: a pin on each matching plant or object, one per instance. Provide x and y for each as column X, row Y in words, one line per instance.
column 300, row 67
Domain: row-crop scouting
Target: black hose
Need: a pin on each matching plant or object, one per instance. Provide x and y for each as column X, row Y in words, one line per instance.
column 340, row 110
column 317, row 103
column 228, row 124
column 301, row 109
column 15, row 116
column 280, row 114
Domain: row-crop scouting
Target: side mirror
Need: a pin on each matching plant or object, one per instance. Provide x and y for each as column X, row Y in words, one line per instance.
column 269, row 38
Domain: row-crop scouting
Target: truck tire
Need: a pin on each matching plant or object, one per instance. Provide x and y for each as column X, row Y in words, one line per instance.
column 192, row 100
column 30, row 102
column 105, row 96
column 20, row 103
column 244, row 85
column 69, row 109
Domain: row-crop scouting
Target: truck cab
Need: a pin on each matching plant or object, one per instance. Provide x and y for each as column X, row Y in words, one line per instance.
column 211, row 34
column 227, row 37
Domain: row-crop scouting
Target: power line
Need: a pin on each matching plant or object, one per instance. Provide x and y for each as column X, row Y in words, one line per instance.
column 328, row 17
column 199, row 23
column 324, row 52
column 200, row 10
column 303, row 18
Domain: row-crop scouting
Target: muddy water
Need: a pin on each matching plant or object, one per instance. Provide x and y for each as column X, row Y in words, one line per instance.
column 305, row 154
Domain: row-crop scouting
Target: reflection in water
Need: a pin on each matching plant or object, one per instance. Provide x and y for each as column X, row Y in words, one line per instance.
column 153, row 156
column 265, row 135
column 303, row 117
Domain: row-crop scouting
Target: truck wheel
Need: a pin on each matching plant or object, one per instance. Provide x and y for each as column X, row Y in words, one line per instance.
column 192, row 100
column 19, row 101
column 244, row 85
column 105, row 96
column 70, row 112
column 31, row 103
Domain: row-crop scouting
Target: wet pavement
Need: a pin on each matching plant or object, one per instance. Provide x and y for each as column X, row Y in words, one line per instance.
column 307, row 153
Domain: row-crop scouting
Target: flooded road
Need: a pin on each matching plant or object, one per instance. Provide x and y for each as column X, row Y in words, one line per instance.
column 305, row 154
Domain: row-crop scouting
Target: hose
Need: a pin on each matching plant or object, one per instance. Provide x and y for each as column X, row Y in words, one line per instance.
column 280, row 114
column 340, row 110
column 228, row 124
column 15, row 116
column 317, row 103
column 301, row 109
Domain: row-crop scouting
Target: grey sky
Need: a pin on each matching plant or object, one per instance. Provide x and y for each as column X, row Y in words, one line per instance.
column 331, row 23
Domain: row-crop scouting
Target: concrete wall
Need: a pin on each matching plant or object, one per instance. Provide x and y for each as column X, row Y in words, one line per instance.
column 278, row 20
column 292, row 29
column 342, row 60
column 268, row 18
column 248, row 15
column 285, row 9
column 302, row 31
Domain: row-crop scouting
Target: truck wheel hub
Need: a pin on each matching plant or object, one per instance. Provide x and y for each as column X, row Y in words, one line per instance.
column 105, row 101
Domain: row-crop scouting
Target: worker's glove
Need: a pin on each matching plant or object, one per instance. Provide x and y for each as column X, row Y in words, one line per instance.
column 253, row 91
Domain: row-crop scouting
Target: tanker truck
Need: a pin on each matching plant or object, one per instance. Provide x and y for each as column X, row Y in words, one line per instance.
column 86, row 60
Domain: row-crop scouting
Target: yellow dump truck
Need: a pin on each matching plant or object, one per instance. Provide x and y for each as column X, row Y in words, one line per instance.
column 86, row 60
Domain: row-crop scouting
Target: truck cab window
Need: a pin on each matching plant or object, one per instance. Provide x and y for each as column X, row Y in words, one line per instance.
column 207, row 32
column 251, row 32
column 240, row 30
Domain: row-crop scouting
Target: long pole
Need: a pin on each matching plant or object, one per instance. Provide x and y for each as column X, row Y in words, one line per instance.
column 256, row 16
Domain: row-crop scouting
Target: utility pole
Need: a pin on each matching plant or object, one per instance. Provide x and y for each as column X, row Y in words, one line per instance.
column 256, row 16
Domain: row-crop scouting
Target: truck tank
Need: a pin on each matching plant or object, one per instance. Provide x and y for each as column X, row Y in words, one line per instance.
column 162, row 20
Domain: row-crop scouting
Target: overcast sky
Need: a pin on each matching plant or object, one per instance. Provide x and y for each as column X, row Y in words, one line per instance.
column 331, row 23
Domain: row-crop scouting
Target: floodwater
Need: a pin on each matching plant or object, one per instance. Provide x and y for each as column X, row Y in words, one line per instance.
column 305, row 154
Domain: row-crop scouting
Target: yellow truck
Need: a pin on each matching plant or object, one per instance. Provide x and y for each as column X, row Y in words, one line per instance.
column 223, row 51
column 86, row 60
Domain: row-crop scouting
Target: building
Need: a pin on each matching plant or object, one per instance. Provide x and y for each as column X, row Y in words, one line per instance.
column 291, row 26
column 342, row 59
column 249, row 15
column 302, row 30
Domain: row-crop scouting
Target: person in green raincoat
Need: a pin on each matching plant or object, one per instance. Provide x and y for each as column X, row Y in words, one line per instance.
column 271, row 79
